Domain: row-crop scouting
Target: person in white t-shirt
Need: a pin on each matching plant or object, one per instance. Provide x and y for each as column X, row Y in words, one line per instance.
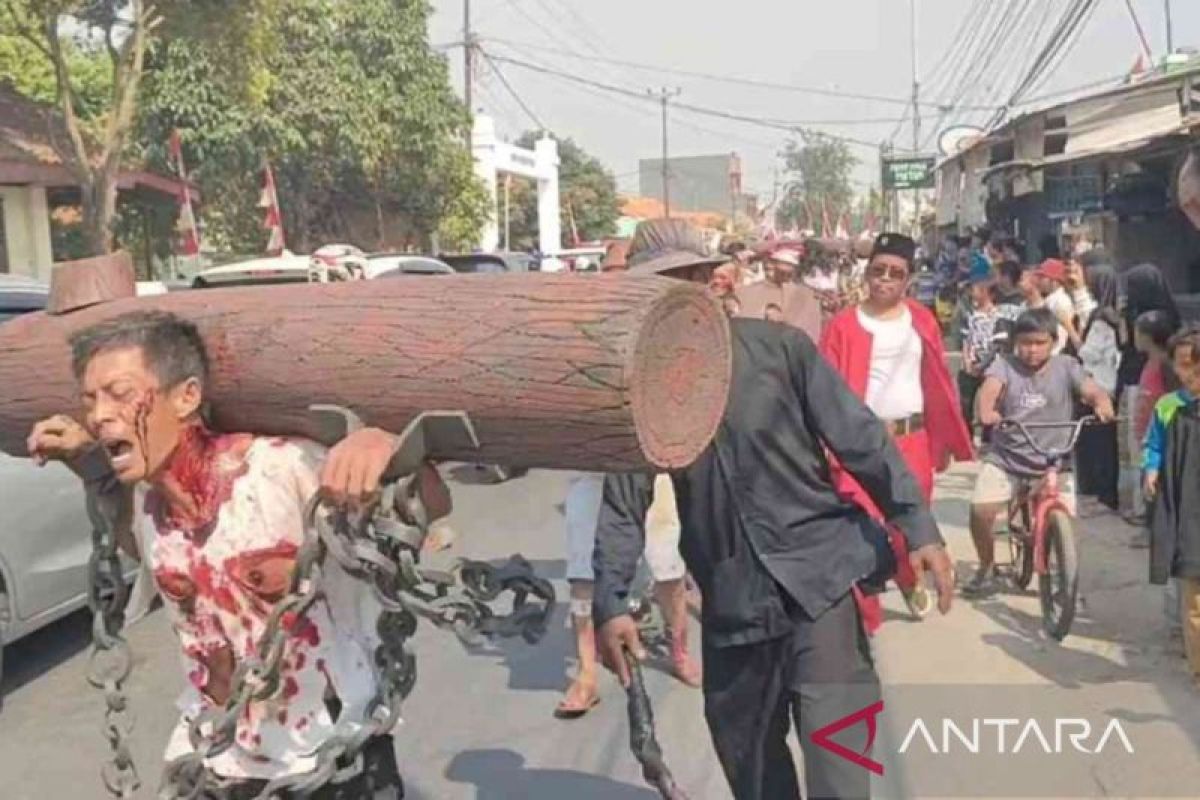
column 219, row 520
column 1052, row 278
column 889, row 350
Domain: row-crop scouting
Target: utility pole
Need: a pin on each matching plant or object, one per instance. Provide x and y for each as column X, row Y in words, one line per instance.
column 1170, row 35
column 916, row 112
column 468, row 57
column 507, row 218
column 664, row 96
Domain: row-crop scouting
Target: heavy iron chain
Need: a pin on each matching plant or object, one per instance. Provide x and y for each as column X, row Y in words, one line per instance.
column 380, row 547
column 111, row 660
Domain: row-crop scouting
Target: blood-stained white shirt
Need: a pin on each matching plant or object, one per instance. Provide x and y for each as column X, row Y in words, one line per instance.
column 220, row 585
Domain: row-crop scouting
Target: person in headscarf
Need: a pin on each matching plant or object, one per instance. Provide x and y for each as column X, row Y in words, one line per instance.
column 1145, row 290
column 1098, row 460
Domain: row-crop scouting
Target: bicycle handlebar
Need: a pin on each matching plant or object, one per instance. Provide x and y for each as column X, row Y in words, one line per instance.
column 1076, row 428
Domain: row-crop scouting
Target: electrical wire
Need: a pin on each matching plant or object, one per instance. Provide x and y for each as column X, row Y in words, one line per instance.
column 730, row 79
column 688, row 107
column 504, row 81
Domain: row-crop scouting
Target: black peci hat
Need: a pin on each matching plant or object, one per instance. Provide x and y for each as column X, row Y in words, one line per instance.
column 894, row 244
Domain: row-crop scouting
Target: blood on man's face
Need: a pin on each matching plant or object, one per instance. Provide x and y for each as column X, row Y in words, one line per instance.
column 136, row 420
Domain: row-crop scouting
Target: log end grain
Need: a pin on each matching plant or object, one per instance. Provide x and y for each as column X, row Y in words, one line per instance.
column 681, row 369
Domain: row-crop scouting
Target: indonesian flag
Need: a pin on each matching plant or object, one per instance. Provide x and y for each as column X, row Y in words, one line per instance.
column 869, row 225
column 273, row 221
column 1139, row 66
column 843, row 228
column 826, row 225
column 187, row 236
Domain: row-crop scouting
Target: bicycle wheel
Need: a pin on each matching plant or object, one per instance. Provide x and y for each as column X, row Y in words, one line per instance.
column 1020, row 551
column 1059, row 585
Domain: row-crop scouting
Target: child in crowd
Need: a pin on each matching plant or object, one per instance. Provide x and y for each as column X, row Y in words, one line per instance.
column 1172, row 467
column 979, row 344
column 1030, row 386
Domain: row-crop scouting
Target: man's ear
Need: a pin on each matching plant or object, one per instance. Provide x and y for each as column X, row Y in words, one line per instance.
column 186, row 398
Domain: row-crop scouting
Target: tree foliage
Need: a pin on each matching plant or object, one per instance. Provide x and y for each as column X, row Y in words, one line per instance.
column 353, row 110
column 818, row 170
column 587, row 196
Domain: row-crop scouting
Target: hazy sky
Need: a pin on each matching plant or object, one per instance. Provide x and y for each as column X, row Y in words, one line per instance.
column 854, row 46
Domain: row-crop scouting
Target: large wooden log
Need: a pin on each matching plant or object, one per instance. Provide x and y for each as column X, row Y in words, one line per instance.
column 562, row 371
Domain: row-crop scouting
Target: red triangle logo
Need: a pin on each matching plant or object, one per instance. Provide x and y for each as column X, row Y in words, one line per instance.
column 822, row 737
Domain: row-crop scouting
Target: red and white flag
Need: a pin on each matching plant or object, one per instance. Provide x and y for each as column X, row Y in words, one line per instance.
column 273, row 221
column 187, row 235
column 826, row 225
column 843, row 228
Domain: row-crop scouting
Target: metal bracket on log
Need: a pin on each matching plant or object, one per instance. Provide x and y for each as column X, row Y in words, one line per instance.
column 429, row 431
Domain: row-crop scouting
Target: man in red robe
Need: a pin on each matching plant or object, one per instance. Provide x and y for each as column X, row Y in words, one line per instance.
column 889, row 350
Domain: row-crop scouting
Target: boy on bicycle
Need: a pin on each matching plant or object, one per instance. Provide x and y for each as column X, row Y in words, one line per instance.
column 1030, row 386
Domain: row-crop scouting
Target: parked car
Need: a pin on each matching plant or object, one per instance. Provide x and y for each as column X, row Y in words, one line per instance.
column 396, row 265
column 338, row 259
column 286, row 268
column 490, row 262
column 45, row 536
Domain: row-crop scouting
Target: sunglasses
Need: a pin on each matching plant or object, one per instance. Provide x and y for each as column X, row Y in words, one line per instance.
column 894, row 273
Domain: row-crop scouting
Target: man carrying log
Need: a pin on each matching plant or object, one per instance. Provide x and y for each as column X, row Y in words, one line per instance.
column 220, row 518
column 773, row 548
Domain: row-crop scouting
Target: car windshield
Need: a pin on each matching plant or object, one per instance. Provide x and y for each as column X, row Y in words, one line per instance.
column 14, row 304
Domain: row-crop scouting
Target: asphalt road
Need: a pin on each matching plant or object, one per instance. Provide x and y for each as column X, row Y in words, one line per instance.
column 479, row 724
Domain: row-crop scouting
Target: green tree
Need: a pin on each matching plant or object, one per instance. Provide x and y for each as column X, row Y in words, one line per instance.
column 351, row 106
column 818, row 170
column 587, row 197
column 116, row 34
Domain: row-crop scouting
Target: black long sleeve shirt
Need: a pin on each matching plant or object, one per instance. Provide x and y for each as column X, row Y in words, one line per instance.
column 758, row 511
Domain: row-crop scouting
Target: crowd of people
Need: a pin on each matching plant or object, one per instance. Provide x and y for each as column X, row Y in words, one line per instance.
column 1041, row 342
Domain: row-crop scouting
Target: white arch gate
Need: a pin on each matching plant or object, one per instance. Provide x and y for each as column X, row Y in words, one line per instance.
column 492, row 157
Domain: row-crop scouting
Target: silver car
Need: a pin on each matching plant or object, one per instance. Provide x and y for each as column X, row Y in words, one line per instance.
column 45, row 537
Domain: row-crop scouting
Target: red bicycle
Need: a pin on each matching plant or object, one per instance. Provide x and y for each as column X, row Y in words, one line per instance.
column 1041, row 532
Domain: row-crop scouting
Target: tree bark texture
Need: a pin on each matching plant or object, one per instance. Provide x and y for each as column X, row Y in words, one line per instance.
column 586, row 372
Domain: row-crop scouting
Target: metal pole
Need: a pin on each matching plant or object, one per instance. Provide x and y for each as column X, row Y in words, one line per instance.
column 1170, row 34
column 666, row 154
column 507, row 184
column 916, row 110
column 468, row 57
column 664, row 96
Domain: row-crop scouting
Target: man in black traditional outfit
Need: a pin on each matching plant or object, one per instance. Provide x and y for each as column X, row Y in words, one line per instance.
column 775, row 552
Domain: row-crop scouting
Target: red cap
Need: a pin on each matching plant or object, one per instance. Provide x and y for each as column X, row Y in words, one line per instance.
column 1053, row 269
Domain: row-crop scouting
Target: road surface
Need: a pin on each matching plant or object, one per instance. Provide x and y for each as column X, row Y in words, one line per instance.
column 479, row 724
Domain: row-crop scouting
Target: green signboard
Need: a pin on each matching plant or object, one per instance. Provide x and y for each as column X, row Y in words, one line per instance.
column 908, row 172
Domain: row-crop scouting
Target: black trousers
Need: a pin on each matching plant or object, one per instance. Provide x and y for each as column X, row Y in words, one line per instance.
column 753, row 694
column 1097, row 463
column 379, row 779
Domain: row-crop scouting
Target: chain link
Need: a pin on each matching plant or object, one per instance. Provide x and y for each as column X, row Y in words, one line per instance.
column 110, row 661
column 380, row 547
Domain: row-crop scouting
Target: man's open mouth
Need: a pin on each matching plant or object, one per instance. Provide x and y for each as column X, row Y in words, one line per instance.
column 120, row 452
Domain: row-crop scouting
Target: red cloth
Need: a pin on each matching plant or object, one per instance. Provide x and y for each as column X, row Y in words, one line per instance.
column 847, row 346
column 1151, row 386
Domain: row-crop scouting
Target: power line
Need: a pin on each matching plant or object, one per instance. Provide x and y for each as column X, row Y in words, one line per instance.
column 503, row 80
column 700, row 110
column 1050, row 57
column 731, row 79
